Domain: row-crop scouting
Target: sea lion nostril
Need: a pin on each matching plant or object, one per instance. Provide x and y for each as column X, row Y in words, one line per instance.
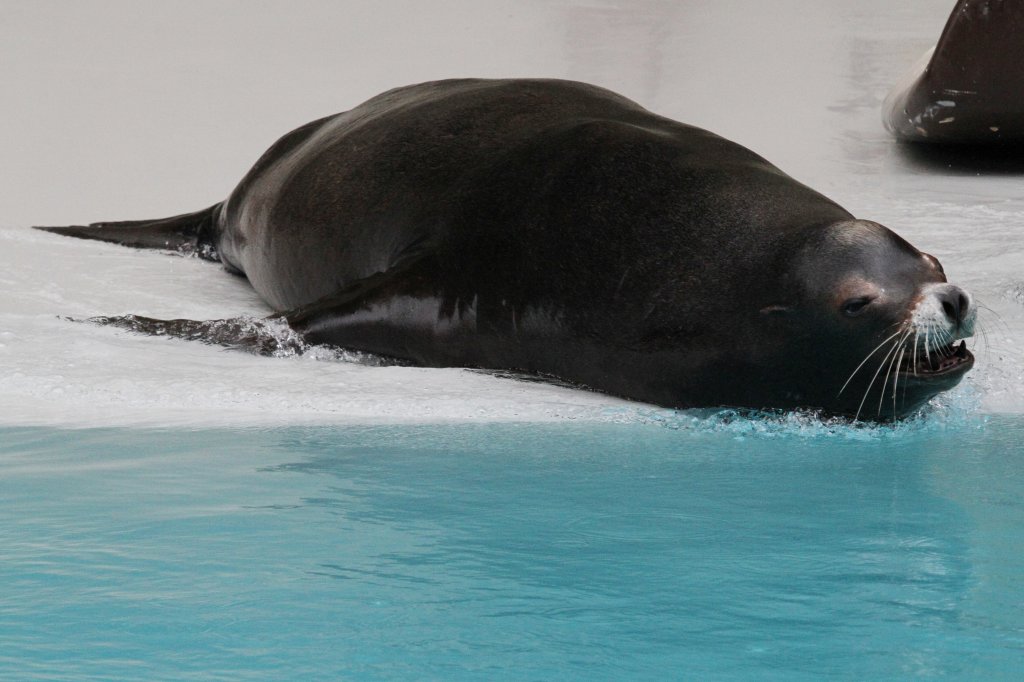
column 954, row 303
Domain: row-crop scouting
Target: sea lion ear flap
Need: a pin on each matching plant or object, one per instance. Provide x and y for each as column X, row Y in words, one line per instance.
column 776, row 310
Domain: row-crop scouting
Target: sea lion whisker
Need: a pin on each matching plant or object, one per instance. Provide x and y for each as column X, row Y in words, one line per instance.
column 993, row 316
column 895, row 379
column 946, row 339
column 881, row 364
column 889, row 370
column 989, row 309
column 983, row 337
column 866, row 358
column 917, row 334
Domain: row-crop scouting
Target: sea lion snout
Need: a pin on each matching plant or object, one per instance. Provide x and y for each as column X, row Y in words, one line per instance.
column 958, row 306
column 947, row 308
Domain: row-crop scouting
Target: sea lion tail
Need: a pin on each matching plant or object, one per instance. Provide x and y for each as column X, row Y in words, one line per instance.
column 189, row 233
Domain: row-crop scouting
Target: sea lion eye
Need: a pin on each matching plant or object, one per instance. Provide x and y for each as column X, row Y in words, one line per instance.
column 855, row 306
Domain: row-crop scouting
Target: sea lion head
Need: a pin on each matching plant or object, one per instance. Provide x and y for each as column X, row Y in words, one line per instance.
column 876, row 329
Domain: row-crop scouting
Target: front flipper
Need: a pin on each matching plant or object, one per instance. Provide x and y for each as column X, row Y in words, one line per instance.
column 268, row 336
column 402, row 313
column 334, row 322
column 263, row 336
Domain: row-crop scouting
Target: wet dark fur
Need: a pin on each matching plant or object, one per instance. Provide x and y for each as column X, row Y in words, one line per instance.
column 540, row 226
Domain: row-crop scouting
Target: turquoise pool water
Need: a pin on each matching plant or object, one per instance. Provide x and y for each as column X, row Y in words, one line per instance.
column 727, row 549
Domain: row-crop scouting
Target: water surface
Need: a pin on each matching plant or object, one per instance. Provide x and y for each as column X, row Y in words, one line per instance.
column 715, row 550
column 222, row 516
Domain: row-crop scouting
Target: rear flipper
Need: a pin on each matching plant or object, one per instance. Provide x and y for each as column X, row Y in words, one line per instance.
column 190, row 233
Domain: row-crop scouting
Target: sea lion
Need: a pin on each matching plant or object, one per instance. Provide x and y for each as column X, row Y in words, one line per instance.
column 557, row 228
column 967, row 89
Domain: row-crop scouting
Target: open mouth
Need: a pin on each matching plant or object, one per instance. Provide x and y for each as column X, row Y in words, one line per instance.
column 942, row 361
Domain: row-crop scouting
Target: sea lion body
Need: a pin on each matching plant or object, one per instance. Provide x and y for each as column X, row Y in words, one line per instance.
column 967, row 89
column 557, row 228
